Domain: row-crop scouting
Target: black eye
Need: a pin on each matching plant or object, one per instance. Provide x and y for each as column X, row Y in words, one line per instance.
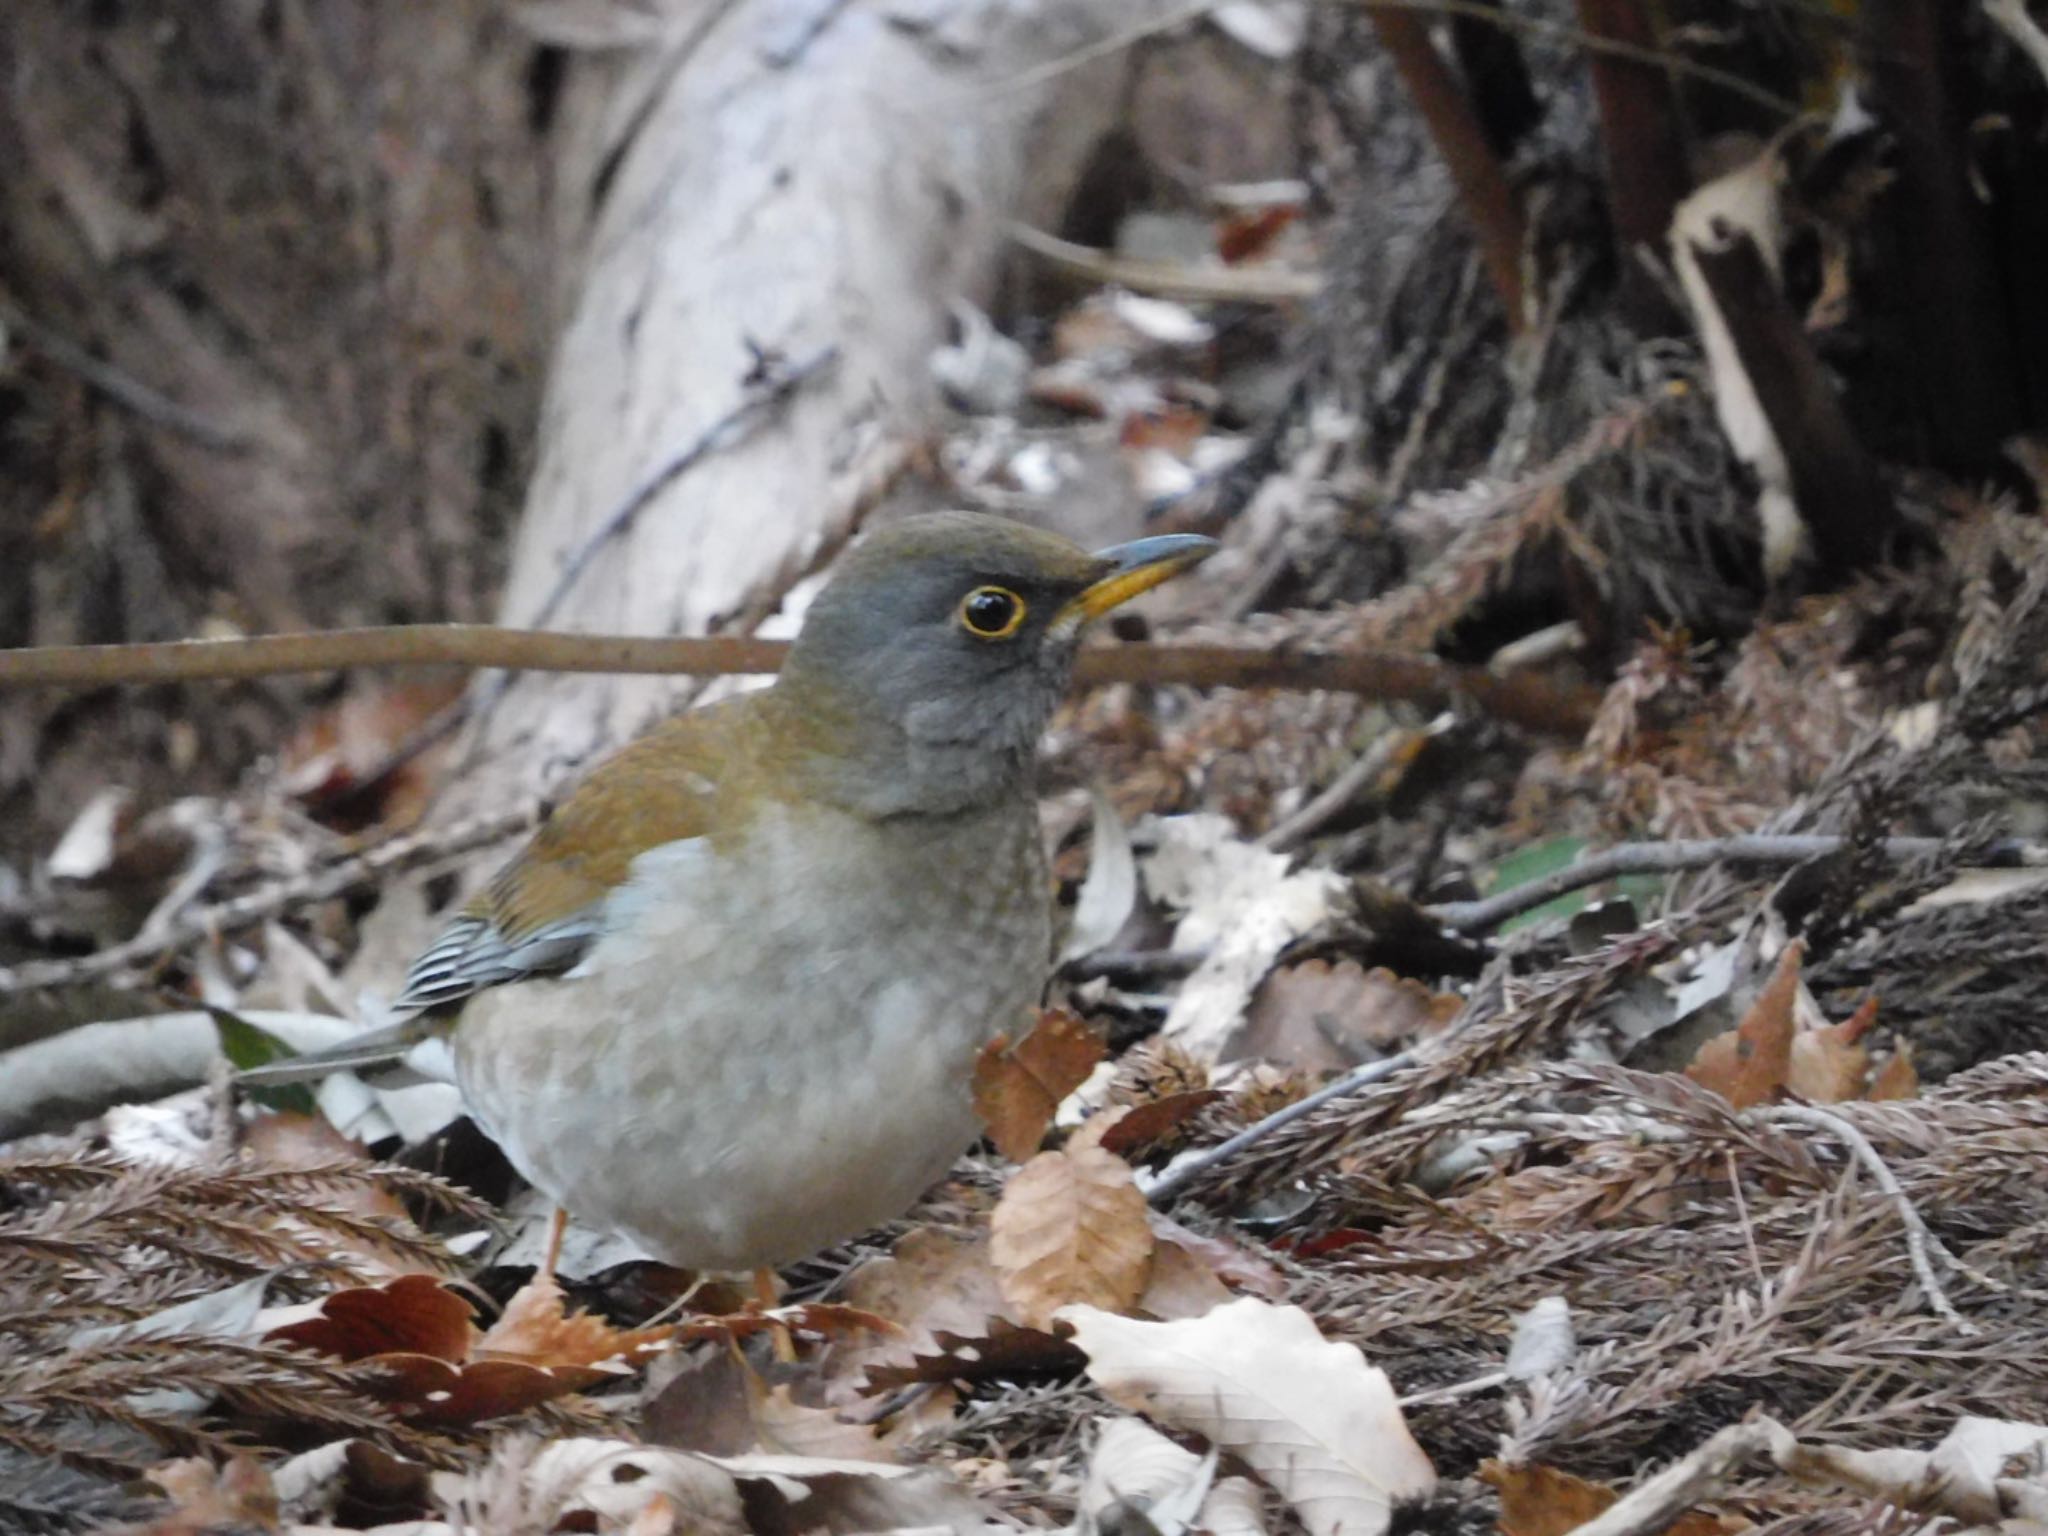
column 993, row 613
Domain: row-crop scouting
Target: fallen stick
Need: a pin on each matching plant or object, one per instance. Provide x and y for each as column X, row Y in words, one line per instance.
column 1523, row 699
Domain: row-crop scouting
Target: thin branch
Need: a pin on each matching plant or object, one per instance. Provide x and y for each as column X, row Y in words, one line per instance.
column 1185, row 1175
column 1655, row 1503
column 1175, row 280
column 151, row 405
column 1365, row 770
column 1557, row 33
column 1524, row 699
column 1771, row 851
column 1483, row 189
column 1918, row 1239
column 268, row 901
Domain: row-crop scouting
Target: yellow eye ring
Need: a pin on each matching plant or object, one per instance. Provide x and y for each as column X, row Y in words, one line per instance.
column 992, row 613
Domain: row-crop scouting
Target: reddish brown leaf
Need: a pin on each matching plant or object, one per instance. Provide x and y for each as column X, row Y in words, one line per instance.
column 1147, row 1124
column 1536, row 1500
column 1249, row 235
column 1897, row 1078
column 1749, row 1066
column 1018, row 1090
column 416, row 1314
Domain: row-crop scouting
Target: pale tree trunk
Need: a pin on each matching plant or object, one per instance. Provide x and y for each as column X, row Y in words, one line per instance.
column 791, row 178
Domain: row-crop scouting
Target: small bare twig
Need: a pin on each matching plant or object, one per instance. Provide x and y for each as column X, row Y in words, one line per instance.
column 1772, row 851
column 1918, row 1239
column 151, row 405
column 1174, row 280
column 1655, row 1503
column 268, row 901
column 1364, row 771
column 1183, row 1176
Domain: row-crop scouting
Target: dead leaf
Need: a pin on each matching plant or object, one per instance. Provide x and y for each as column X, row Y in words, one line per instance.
column 1236, row 1265
column 1002, row 1351
column 1897, row 1078
column 1250, row 235
column 537, row 1327
column 1017, row 1091
column 1320, row 1017
column 238, row 1496
column 1071, row 1227
column 1536, row 1500
column 934, row 1282
column 1148, row 1125
column 436, row 1368
column 1317, row 1423
column 1828, row 1066
column 1749, row 1066
column 1182, row 1285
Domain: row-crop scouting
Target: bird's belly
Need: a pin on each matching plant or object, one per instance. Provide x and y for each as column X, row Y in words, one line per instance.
column 752, row 1099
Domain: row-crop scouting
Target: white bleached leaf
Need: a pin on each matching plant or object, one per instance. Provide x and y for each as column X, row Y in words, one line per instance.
column 1544, row 1340
column 1111, row 889
column 1308, row 1415
column 1135, row 1468
column 1240, row 902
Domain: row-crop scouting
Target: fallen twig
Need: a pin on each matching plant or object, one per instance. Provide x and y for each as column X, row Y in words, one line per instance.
column 151, row 405
column 268, row 901
column 1173, row 280
column 1918, row 1239
column 2011, row 18
column 1524, row 699
column 1654, row 1504
column 1772, row 850
column 1184, row 1175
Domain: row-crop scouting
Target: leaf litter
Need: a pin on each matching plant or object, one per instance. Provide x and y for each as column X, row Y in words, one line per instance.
column 1786, row 1279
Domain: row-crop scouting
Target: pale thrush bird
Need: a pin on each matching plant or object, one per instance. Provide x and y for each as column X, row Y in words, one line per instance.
column 728, row 999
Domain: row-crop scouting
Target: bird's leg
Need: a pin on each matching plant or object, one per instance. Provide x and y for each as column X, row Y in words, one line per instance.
column 764, row 1293
column 558, row 1226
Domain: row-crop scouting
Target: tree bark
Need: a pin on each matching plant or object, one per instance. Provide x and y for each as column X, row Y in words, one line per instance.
column 789, row 179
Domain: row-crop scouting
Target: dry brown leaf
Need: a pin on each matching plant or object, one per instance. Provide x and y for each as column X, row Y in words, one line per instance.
column 1182, row 1284
column 238, row 1496
column 1749, row 1066
column 537, row 1327
column 1321, row 1017
column 1155, row 1124
column 1018, row 1089
column 934, row 1282
column 435, row 1368
column 1071, row 1227
column 1897, row 1078
column 1536, row 1500
column 1828, row 1065
column 1321, row 1426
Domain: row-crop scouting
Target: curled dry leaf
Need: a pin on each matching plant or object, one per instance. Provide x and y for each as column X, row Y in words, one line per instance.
column 934, row 1282
column 1071, row 1227
column 1003, row 1351
column 436, row 1368
column 1018, row 1089
column 1321, row 1426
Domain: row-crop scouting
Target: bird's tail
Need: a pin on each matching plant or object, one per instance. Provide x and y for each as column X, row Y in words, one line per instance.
column 386, row 1047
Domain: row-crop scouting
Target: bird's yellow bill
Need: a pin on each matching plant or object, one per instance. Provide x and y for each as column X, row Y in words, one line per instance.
column 1136, row 567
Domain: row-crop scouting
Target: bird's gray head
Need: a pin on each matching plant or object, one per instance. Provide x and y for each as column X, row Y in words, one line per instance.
column 931, row 662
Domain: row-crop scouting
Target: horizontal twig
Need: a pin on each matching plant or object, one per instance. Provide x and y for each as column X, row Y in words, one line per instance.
column 1218, row 284
column 1773, row 850
column 267, row 901
column 1523, row 699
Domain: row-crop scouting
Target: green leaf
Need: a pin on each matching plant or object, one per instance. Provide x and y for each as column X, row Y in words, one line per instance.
column 246, row 1046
